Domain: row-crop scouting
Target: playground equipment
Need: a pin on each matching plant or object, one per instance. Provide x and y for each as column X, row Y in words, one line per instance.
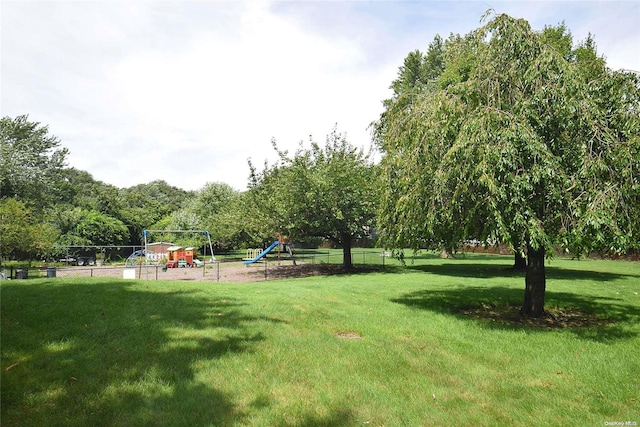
column 131, row 260
column 189, row 254
column 261, row 254
column 179, row 257
column 255, row 255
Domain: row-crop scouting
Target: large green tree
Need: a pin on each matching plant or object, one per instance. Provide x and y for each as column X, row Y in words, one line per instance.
column 523, row 145
column 31, row 161
column 328, row 192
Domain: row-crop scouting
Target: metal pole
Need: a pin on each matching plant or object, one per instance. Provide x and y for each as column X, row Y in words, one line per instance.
column 146, row 255
column 206, row 232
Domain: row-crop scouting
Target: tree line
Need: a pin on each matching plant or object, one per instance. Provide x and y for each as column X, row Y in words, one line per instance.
column 46, row 207
column 503, row 135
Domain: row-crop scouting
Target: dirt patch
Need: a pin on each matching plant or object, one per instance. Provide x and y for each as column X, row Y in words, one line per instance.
column 303, row 270
column 222, row 272
column 349, row 335
column 554, row 318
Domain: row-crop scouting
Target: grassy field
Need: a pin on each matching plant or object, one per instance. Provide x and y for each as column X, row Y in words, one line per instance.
column 414, row 346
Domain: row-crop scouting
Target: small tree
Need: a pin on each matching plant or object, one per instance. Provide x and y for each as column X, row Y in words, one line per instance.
column 21, row 234
column 328, row 192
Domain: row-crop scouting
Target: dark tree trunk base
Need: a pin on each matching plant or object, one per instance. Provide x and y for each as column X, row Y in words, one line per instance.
column 347, row 262
column 519, row 262
column 535, row 284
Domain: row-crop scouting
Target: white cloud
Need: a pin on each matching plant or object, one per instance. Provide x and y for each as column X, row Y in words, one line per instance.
column 187, row 91
column 220, row 96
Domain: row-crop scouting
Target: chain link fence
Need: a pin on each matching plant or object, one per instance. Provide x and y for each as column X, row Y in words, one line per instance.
column 307, row 263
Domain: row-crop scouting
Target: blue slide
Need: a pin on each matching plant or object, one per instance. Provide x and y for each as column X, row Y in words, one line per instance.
column 263, row 253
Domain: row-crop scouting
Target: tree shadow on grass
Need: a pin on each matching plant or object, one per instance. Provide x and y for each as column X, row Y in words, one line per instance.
column 602, row 319
column 488, row 271
column 311, row 270
column 115, row 353
column 337, row 418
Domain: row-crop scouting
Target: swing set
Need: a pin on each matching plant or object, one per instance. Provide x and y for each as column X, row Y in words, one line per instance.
column 176, row 255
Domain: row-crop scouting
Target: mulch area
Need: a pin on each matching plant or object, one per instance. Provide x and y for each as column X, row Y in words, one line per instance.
column 554, row 318
column 301, row 270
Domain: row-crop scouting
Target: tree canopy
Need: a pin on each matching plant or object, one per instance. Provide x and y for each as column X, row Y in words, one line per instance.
column 328, row 192
column 31, row 160
column 21, row 233
column 215, row 207
column 520, row 143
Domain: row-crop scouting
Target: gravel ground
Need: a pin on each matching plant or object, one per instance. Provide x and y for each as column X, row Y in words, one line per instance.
column 221, row 272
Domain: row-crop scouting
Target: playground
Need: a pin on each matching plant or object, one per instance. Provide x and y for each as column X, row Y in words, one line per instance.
column 166, row 261
column 235, row 271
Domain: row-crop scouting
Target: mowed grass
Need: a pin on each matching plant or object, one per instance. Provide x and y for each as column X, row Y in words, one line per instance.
column 377, row 349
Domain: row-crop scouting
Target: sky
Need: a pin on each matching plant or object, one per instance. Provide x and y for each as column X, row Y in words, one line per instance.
column 188, row 91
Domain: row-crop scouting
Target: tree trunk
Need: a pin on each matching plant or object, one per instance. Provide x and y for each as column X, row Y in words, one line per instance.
column 535, row 284
column 519, row 262
column 346, row 252
column 446, row 253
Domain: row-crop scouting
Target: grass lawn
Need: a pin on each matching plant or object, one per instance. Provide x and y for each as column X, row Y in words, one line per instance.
column 415, row 346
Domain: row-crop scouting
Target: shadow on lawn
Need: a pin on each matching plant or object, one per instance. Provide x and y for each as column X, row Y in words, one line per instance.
column 114, row 353
column 488, row 271
column 337, row 418
column 600, row 319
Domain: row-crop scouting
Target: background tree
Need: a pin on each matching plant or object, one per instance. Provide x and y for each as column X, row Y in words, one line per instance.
column 212, row 198
column 237, row 224
column 227, row 216
column 77, row 195
column 21, row 234
column 144, row 205
column 516, row 146
column 138, row 207
column 215, row 205
column 98, row 229
column 328, row 192
column 31, row 161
